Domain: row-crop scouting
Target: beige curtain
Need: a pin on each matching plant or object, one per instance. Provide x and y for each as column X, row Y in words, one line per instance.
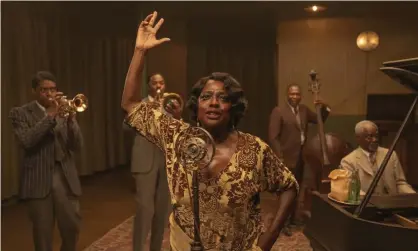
column 36, row 36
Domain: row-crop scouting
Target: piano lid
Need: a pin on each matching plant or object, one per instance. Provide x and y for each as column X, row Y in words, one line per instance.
column 403, row 71
column 406, row 73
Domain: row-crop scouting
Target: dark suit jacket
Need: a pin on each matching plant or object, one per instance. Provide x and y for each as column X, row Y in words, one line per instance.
column 35, row 132
column 144, row 153
column 284, row 131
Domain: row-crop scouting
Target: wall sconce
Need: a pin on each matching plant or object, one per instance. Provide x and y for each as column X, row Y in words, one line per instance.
column 367, row 41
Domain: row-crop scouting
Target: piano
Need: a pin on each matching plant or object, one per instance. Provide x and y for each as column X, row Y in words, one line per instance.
column 381, row 223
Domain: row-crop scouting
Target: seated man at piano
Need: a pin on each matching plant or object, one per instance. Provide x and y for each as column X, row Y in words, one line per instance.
column 367, row 159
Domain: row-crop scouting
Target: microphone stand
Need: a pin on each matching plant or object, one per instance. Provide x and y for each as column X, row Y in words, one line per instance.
column 194, row 145
column 196, row 244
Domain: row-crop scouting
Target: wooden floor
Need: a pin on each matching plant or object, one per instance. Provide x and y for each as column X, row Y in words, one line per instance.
column 107, row 201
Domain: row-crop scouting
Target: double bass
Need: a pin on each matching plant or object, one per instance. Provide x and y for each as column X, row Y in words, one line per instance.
column 321, row 153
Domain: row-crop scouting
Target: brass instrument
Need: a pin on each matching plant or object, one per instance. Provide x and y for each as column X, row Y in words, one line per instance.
column 78, row 104
column 167, row 98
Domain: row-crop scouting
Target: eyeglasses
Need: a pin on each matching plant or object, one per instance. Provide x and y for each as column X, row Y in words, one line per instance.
column 218, row 96
column 371, row 137
column 46, row 90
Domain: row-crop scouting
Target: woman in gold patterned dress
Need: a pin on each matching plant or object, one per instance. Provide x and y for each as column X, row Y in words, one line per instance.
column 243, row 165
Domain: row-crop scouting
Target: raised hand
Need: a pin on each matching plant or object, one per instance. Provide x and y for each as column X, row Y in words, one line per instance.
column 57, row 96
column 71, row 117
column 52, row 108
column 145, row 38
column 320, row 102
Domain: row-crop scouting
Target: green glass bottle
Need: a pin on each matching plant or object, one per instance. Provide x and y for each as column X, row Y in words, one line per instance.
column 355, row 186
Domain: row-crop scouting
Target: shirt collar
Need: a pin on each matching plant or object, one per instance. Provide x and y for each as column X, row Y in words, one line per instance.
column 365, row 152
column 150, row 98
column 368, row 153
column 294, row 109
column 40, row 106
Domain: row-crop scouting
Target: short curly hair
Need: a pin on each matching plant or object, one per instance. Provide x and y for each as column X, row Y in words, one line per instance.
column 234, row 91
column 41, row 76
column 293, row 85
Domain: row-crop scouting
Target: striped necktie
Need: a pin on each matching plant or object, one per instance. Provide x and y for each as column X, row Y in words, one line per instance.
column 372, row 158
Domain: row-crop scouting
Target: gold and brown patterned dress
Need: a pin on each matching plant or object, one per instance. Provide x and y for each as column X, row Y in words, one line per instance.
column 230, row 203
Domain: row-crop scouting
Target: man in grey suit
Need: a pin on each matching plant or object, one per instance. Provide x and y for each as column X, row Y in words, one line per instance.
column 49, row 182
column 148, row 169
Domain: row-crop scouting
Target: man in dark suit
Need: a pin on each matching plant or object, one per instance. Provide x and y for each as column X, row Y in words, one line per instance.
column 148, row 169
column 288, row 129
column 49, row 181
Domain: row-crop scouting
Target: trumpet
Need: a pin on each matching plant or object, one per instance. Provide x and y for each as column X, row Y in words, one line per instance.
column 78, row 104
column 167, row 99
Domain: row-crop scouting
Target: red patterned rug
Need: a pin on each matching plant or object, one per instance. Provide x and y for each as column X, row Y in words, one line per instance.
column 120, row 239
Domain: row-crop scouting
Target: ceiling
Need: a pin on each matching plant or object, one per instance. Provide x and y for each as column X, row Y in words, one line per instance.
column 281, row 10
column 222, row 10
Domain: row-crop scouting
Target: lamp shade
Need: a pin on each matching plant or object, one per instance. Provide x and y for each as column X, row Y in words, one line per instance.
column 367, row 41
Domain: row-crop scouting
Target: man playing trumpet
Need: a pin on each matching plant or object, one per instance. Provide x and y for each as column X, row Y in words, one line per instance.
column 148, row 169
column 49, row 181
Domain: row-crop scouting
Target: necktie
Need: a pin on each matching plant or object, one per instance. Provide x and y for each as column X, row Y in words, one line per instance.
column 296, row 111
column 302, row 136
column 59, row 153
column 372, row 158
column 381, row 186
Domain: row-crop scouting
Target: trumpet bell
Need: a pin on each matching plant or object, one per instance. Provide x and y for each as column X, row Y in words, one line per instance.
column 80, row 103
column 168, row 99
